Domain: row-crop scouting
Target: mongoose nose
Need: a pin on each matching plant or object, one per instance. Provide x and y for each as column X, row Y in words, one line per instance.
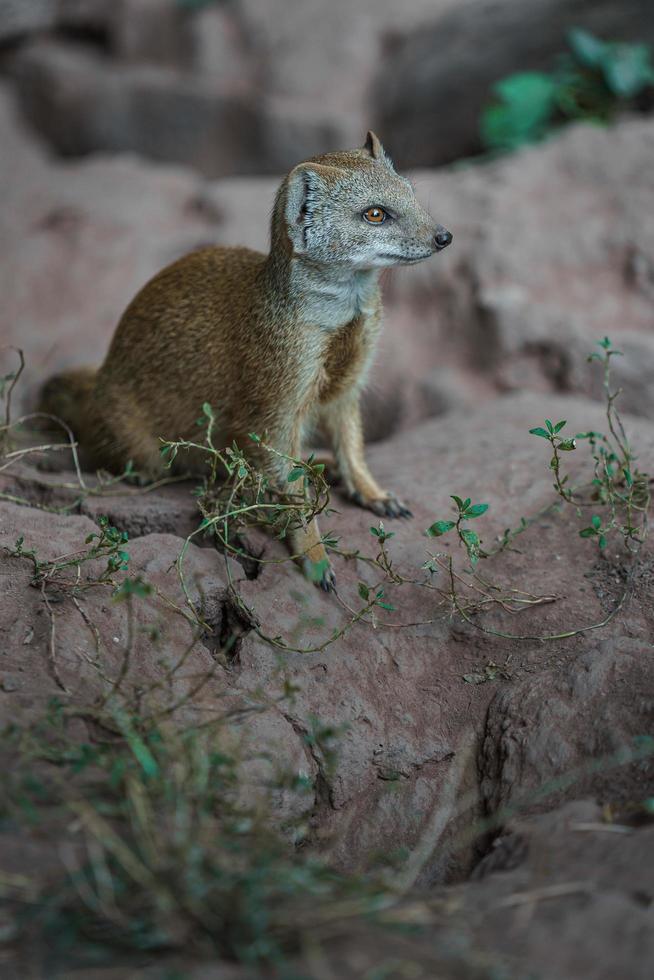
column 442, row 238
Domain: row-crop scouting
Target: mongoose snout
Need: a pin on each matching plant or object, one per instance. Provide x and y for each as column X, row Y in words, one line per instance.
column 276, row 343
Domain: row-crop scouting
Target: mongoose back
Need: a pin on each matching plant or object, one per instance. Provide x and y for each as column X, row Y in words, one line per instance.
column 275, row 343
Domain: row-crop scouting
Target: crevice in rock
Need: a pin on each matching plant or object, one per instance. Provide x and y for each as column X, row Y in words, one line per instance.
column 324, row 795
column 31, row 492
column 227, row 628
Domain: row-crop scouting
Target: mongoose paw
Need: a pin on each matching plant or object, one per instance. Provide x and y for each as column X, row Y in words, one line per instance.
column 386, row 506
column 320, row 573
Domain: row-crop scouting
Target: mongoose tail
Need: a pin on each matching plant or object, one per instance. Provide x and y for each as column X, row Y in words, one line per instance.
column 67, row 397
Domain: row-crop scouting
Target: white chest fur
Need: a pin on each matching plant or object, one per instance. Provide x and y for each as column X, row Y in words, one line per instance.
column 330, row 299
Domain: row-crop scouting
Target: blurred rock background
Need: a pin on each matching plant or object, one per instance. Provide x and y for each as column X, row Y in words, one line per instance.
column 135, row 130
column 253, row 86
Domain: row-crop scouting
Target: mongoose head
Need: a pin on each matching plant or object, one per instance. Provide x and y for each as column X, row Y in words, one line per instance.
column 352, row 208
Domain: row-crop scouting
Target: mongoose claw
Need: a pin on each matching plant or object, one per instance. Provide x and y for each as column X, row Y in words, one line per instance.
column 395, row 507
column 387, row 506
column 328, row 581
column 320, row 573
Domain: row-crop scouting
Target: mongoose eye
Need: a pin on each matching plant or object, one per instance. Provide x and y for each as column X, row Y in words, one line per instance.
column 375, row 215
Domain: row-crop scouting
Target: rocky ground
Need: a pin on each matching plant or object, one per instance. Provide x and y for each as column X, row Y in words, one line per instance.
column 447, row 735
column 513, row 768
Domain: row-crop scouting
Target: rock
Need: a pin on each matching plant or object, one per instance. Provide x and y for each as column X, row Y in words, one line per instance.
column 21, row 17
column 569, row 734
column 222, row 49
column 444, row 390
column 89, row 242
column 551, row 253
column 382, row 718
column 571, row 902
column 82, row 104
column 432, row 88
column 397, row 748
column 150, row 31
column 299, row 97
column 321, row 58
column 92, row 638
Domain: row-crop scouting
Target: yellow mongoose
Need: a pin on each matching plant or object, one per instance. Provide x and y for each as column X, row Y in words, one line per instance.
column 273, row 342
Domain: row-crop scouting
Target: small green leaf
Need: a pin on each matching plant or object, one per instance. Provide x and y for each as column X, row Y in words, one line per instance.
column 457, row 501
column 471, row 541
column 587, row 532
column 587, row 49
column 254, row 437
column 596, row 521
column 133, row 587
column 559, row 426
column 364, row 591
column 440, row 527
column 627, row 69
column 142, row 753
column 550, row 427
column 539, row 431
column 476, row 510
column 602, row 542
column 295, row 474
column 385, row 605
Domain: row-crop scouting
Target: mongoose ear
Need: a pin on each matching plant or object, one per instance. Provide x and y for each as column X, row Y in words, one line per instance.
column 306, row 185
column 374, row 147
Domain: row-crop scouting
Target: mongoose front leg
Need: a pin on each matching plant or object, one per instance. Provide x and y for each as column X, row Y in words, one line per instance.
column 305, row 541
column 306, row 544
column 342, row 419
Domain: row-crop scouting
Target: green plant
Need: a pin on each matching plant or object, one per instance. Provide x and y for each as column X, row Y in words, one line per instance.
column 592, row 82
column 618, row 485
column 172, row 851
column 470, row 539
column 618, row 489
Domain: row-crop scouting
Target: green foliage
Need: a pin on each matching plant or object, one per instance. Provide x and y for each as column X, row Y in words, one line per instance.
column 470, row 539
column 617, row 485
column 522, row 114
column 592, row 82
column 64, row 573
column 176, row 854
